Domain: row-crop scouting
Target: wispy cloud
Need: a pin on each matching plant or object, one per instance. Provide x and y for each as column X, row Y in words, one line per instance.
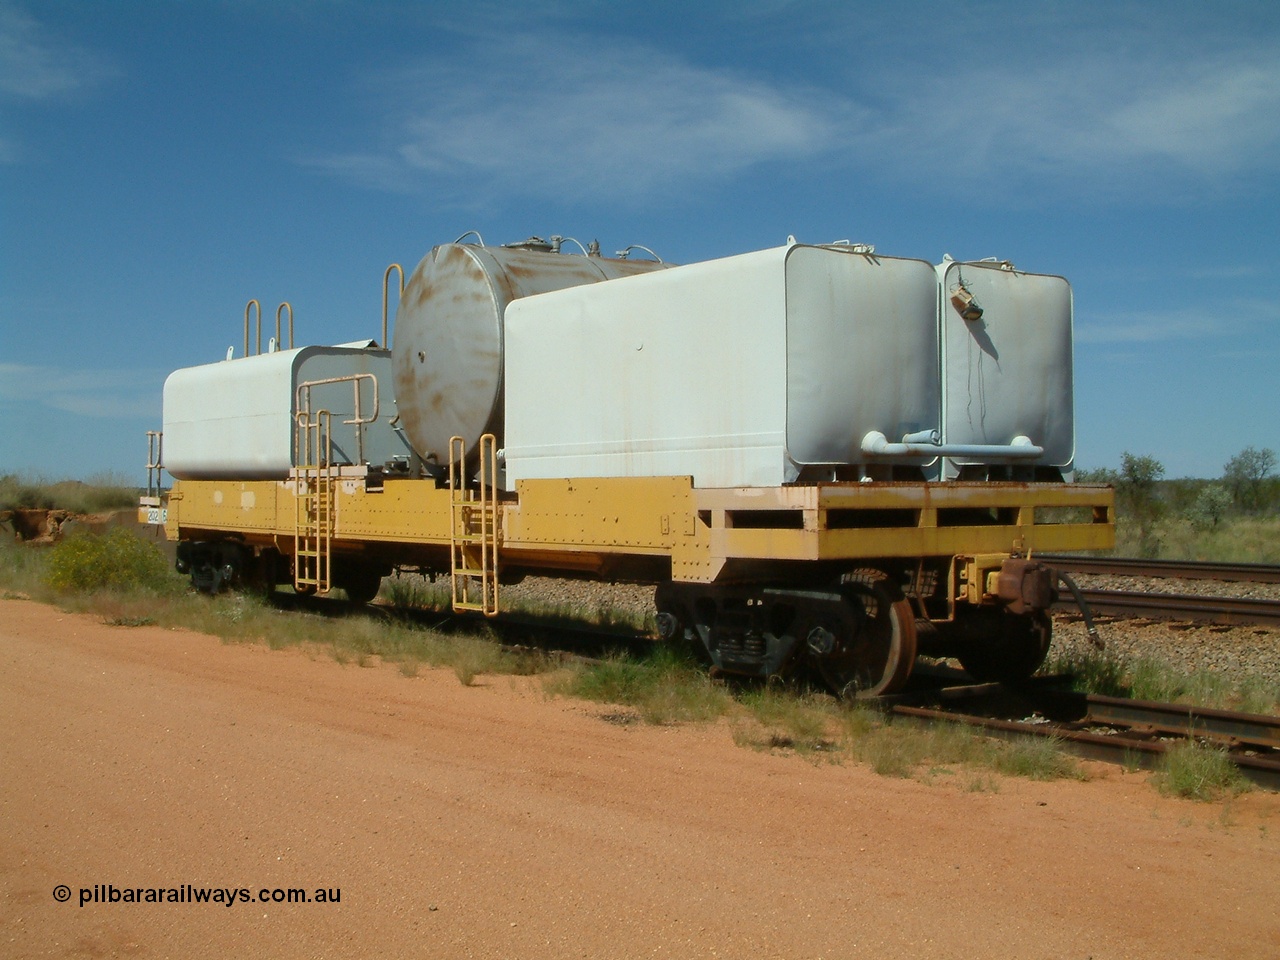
column 559, row 114
column 101, row 394
column 1230, row 271
column 1100, row 114
column 1150, row 327
column 1225, row 322
column 550, row 113
column 35, row 65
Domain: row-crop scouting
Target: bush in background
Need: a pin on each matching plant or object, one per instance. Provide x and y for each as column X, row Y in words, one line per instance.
column 117, row 560
column 102, row 493
column 1210, row 508
column 1246, row 474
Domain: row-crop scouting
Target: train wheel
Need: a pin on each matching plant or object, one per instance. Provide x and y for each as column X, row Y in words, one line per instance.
column 1009, row 648
column 360, row 583
column 260, row 575
column 875, row 652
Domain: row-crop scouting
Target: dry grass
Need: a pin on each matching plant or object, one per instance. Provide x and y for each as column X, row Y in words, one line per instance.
column 1198, row 771
column 100, row 494
column 1146, row 678
column 1235, row 540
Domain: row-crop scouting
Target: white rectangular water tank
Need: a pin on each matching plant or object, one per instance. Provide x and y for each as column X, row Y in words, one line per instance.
column 235, row 419
column 737, row 372
column 1008, row 372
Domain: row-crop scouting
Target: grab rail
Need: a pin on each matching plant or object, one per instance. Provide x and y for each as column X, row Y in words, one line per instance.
column 386, row 282
column 357, row 420
column 251, row 303
column 279, row 310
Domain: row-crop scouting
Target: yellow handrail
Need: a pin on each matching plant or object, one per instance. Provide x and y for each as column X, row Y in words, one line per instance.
column 386, row 283
column 279, row 310
column 252, row 303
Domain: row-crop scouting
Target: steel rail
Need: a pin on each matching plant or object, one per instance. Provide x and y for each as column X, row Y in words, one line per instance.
column 1231, row 728
column 1133, row 732
column 1175, row 606
column 1170, row 569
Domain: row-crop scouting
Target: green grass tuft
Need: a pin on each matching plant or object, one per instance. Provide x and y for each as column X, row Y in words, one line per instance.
column 782, row 718
column 1094, row 671
column 1035, row 758
column 663, row 687
column 1198, row 771
column 1146, row 678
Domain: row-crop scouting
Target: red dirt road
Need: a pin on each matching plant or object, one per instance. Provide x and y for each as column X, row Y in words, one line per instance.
column 492, row 822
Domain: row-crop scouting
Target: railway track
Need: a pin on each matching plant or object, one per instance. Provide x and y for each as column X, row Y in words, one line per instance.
column 1167, row 569
column 1235, row 611
column 1130, row 732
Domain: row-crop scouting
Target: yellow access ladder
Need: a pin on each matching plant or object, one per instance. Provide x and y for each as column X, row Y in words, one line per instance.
column 313, row 505
column 474, row 529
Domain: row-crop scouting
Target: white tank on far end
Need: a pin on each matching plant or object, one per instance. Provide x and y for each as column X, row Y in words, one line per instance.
column 1007, row 365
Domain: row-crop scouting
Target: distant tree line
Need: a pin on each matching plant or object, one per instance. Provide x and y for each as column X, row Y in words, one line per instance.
column 1248, row 487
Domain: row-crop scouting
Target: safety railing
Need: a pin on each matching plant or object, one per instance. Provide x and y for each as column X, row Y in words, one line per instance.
column 313, row 503
column 155, row 464
column 386, row 296
column 474, row 529
column 286, row 305
column 358, row 420
column 254, row 308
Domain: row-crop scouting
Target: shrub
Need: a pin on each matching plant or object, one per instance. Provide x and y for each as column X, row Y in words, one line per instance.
column 1210, row 507
column 100, row 495
column 1093, row 671
column 663, row 687
column 1199, row 772
column 1035, row 758
column 785, row 718
column 117, row 560
column 1246, row 474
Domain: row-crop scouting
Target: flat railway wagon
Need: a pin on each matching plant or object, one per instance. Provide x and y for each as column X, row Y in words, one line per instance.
column 827, row 460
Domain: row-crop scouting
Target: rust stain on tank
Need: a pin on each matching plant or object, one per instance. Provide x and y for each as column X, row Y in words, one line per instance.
column 522, row 270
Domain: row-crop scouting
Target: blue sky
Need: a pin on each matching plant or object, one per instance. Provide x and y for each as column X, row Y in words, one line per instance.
column 161, row 163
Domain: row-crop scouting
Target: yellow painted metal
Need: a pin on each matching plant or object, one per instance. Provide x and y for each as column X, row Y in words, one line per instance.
column 977, row 575
column 645, row 515
column 256, row 304
column 280, row 310
column 473, row 529
column 313, row 505
column 386, row 287
column 412, row 512
column 880, row 520
column 588, row 524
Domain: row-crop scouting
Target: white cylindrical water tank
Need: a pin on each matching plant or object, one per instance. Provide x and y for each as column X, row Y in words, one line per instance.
column 448, row 347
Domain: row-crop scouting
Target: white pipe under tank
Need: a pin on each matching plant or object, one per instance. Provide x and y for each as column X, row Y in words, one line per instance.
column 928, row 443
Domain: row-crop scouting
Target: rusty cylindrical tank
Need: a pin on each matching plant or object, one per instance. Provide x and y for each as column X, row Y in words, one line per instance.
column 447, row 351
